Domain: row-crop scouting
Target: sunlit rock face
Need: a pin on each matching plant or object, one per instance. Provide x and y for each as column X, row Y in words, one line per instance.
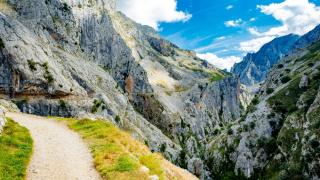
column 85, row 59
column 255, row 66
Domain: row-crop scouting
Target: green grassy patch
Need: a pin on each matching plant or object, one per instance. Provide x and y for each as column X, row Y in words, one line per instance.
column 285, row 100
column 116, row 154
column 15, row 151
column 215, row 77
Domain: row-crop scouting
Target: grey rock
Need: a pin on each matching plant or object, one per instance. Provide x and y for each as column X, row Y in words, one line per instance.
column 2, row 119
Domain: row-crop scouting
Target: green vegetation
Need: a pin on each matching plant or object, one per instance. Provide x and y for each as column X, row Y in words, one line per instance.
column 97, row 104
column 32, row 65
column 285, row 100
column 116, row 154
column 15, row 151
column 65, row 7
column 285, row 79
column 215, row 77
column 1, row 44
column 270, row 91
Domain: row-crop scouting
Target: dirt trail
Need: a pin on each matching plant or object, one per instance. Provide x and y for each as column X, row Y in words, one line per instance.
column 59, row 153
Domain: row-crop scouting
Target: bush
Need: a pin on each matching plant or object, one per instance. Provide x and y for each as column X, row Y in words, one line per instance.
column 255, row 100
column 163, row 148
column 65, row 7
column 280, row 66
column 270, row 90
column 62, row 104
column 117, row 119
column 32, row 65
column 285, row 79
column 230, row 131
column 252, row 125
column 1, row 44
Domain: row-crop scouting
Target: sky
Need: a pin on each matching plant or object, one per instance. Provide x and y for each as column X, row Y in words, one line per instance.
column 223, row 31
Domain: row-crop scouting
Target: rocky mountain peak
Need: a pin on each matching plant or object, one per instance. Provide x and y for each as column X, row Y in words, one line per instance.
column 255, row 66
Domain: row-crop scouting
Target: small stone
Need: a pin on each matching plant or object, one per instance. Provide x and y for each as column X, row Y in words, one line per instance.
column 153, row 177
column 144, row 169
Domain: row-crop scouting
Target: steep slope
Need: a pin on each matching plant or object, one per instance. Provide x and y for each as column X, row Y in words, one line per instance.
column 83, row 58
column 255, row 66
column 49, row 65
column 278, row 137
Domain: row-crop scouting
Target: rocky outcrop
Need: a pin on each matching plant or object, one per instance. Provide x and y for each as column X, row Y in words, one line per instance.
column 278, row 135
column 84, row 59
column 255, row 66
column 2, row 119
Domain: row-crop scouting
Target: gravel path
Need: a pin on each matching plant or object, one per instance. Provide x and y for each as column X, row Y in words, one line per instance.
column 59, row 153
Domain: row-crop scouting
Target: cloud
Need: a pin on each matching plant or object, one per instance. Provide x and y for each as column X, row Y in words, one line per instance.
column 233, row 23
column 254, row 31
column 252, row 19
column 229, row 7
column 255, row 44
column 153, row 12
column 221, row 38
column 296, row 16
column 222, row 63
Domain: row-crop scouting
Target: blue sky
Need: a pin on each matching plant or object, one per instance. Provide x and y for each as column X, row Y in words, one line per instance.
column 223, row 31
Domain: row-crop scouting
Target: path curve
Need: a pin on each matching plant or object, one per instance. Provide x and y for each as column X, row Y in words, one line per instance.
column 59, row 153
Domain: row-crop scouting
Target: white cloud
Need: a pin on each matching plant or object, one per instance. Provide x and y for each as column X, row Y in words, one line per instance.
column 221, row 38
column 229, row 7
column 254, row 31
column 222, row 63
column 296, row 16
column 252, row 19
column 233, row 23
column 153, row 12
column 255, row 44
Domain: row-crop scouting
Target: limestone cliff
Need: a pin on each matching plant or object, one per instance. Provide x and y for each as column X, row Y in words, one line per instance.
column 278, row 136
column 83, row 58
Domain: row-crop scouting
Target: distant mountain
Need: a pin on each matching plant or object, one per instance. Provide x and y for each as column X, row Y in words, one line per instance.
column 255, row 66
column 308, row 39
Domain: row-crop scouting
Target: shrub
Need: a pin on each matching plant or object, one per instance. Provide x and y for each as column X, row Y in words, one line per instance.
column 49, row 78
column 96, row 105
column 270, row 90
column 255, row 100
column 62, row 104
column 252, row 125
column 280, row 66
column 65, row 7
column 230, row 131
column 163, row 148
column 285, row 79
column 1, row 44
column 32, row 65
column 117, row 119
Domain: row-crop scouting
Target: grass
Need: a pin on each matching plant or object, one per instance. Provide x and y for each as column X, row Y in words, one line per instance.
column 215, row 77
column 15, row 151
column 285, row 100
column 116, row 154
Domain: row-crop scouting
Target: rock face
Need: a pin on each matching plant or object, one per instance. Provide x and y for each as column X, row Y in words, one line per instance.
column 83, row 58
column 278, row 136
column 255, row 66
column 2, row 119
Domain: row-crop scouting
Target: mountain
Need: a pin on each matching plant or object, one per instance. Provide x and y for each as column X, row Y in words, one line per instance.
column 278, row 137
column 85, row 59
column 254, row 67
